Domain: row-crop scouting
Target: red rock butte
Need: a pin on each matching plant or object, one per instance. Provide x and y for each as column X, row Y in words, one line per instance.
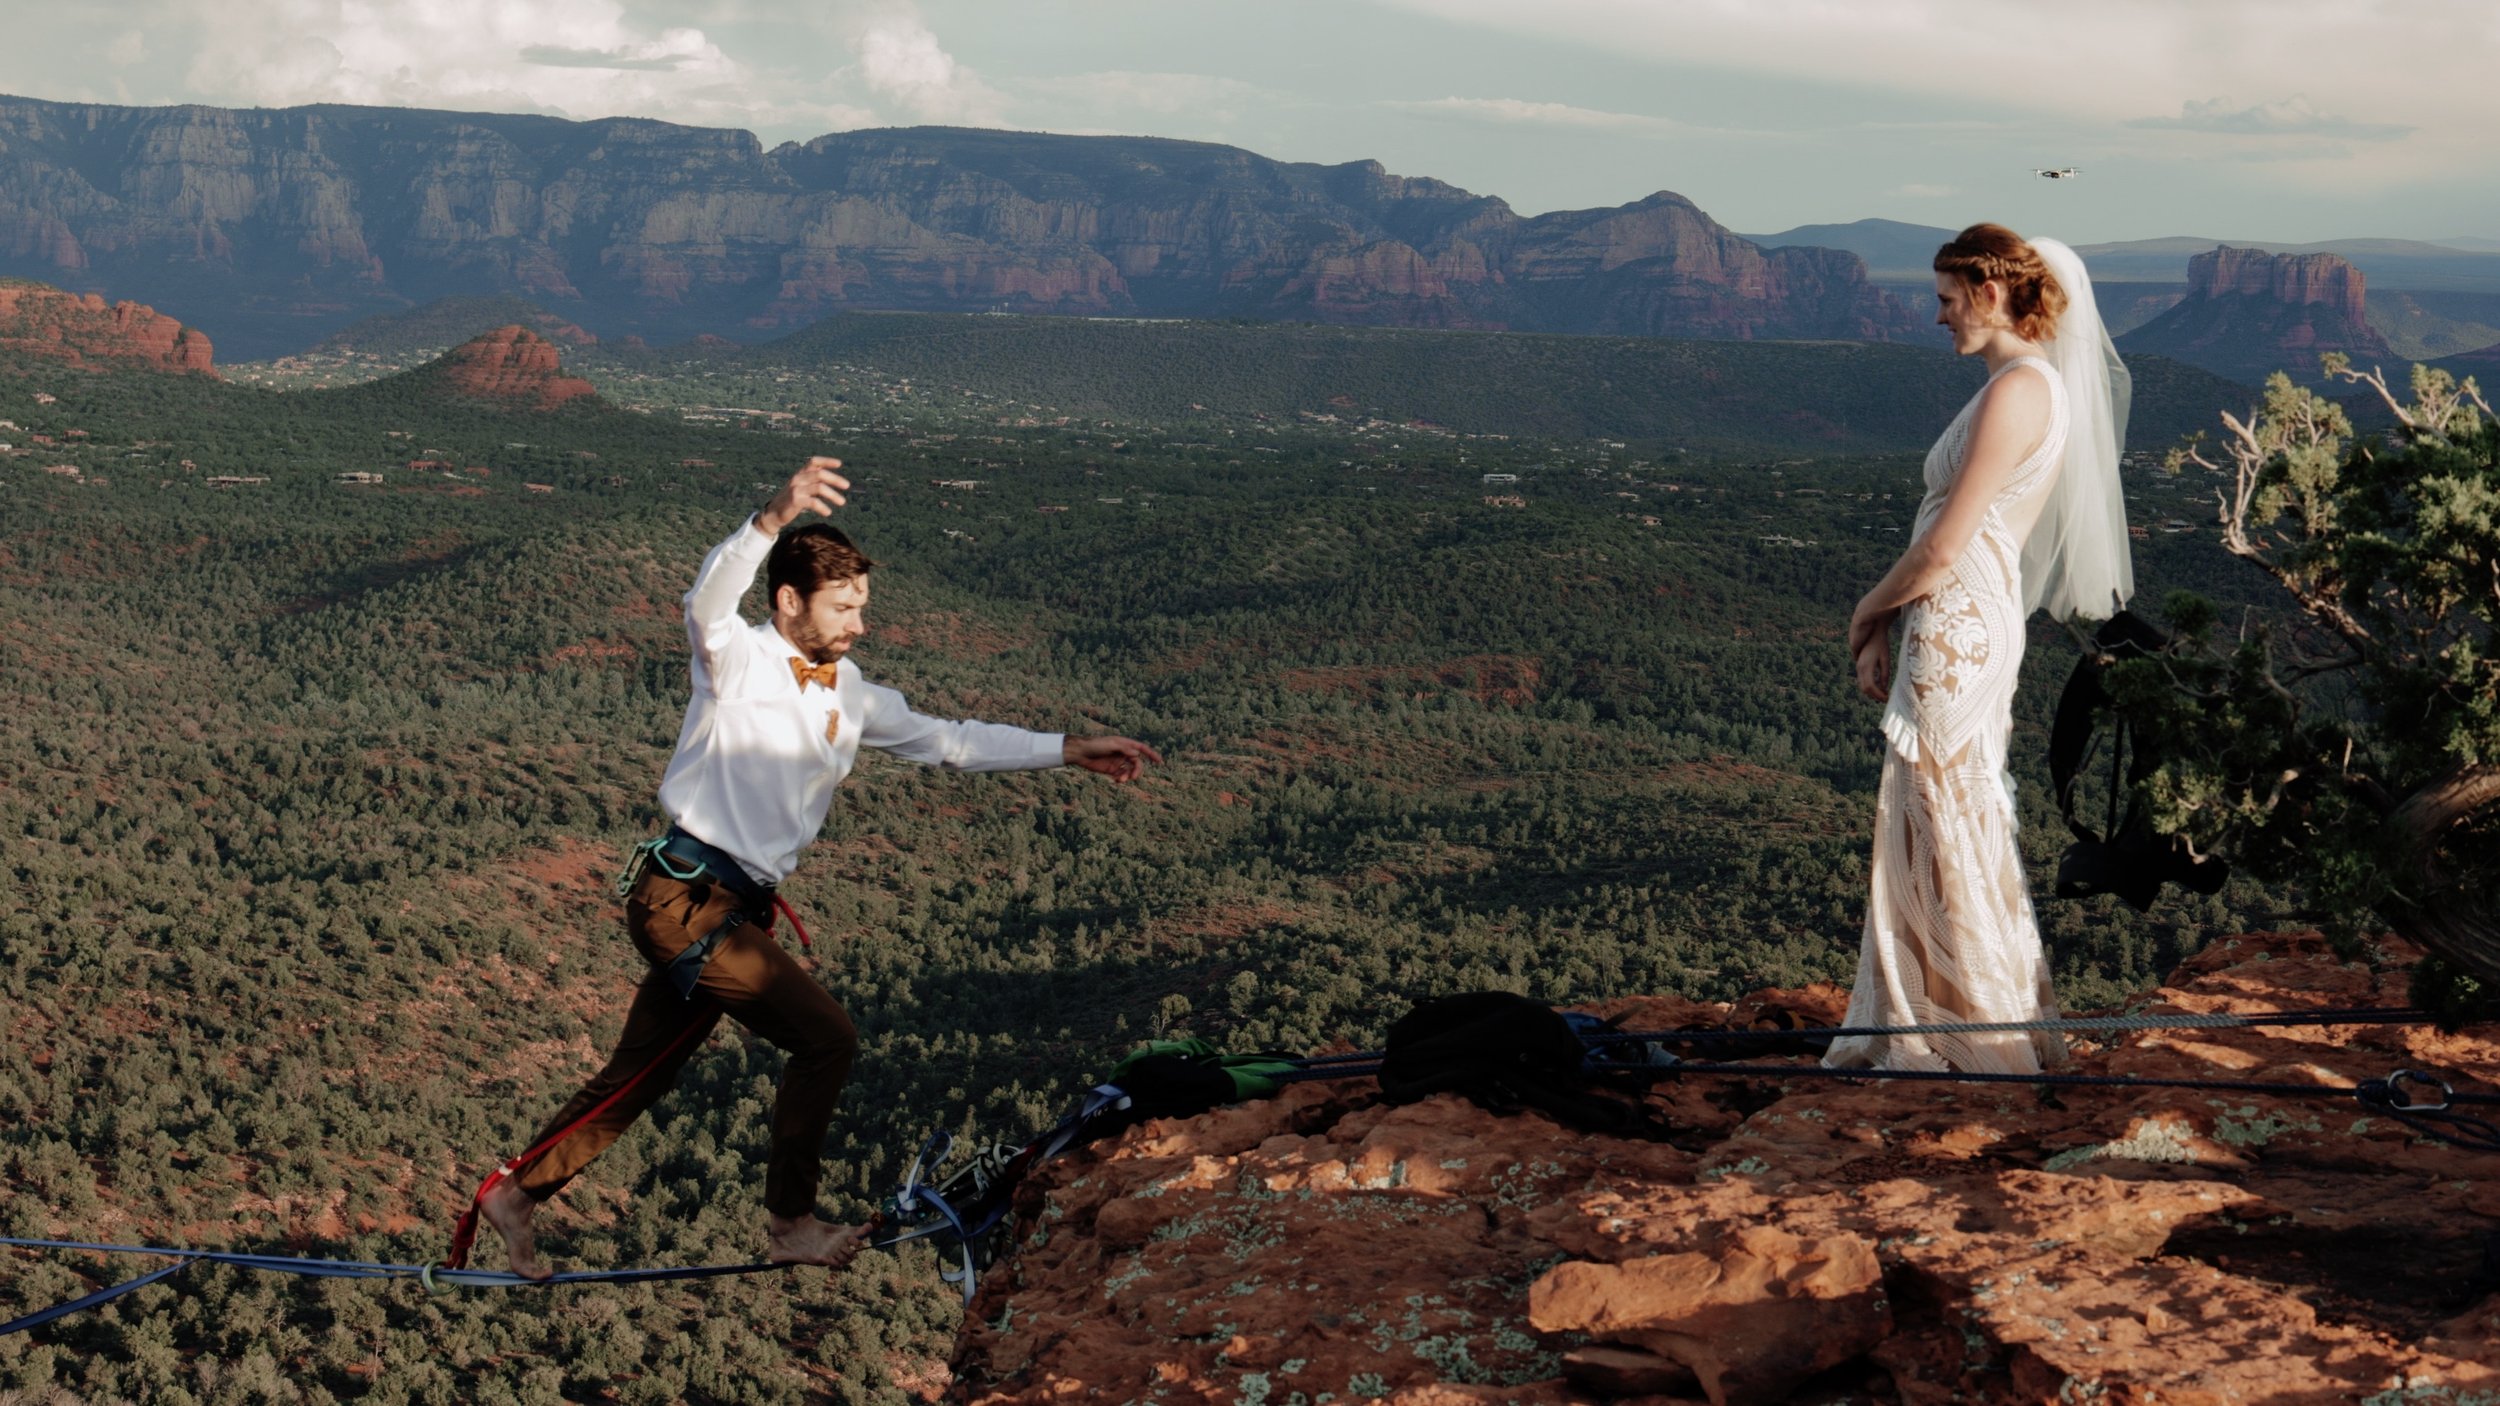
column 1809, row 1240
column 2283, row 278
column 84, row 330
column 511, row 366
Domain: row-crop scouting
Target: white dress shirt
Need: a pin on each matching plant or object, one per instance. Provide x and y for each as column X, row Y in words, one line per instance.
column 755, row 769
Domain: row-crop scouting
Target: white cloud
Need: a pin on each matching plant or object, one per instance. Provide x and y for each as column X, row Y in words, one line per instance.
column 581, row 58
column 570, row 58
column 2294, row 116
column 2087, row 72
column 659, row 57
column 128, row 47
column 1524, row 112
column 1189, row 95
column 902, row 62
column 2112, row 59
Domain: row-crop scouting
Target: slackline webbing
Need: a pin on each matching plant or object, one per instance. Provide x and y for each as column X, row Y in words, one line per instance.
column 432, row 1276
column 2079, row 1025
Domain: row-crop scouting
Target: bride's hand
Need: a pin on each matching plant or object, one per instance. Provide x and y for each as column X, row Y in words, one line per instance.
column 1874, row 663
column 1868, row 628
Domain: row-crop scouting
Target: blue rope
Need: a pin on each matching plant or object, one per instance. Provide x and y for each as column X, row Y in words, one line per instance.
column 432, row 1276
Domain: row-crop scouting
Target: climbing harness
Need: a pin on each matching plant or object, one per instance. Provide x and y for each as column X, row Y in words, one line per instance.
column 687, row 859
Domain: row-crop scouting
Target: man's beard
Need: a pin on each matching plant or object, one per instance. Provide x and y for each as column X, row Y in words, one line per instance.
column 811, row 642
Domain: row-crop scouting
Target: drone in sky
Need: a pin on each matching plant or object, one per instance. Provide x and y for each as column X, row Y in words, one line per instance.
column 2056, row 173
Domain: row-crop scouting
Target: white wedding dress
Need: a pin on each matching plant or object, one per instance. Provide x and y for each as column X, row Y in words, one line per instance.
column 1949, row 930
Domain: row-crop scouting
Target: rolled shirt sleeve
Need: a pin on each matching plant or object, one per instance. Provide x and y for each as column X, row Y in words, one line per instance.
column 890, row 725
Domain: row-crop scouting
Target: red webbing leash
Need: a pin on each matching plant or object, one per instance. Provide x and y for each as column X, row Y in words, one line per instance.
column 464, row 1231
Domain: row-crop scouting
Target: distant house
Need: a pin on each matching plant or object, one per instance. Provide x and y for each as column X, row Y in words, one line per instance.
column 1504, row 500
column 540, row 487
column 694, row 463
column 64, row 470
column 1501, row 478
column 1052, row 508
column 357, row 476
column 966, row 483
column 236, row 480
column 418, row 466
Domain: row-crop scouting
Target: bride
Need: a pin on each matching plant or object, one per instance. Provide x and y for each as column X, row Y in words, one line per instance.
column 2022, row 512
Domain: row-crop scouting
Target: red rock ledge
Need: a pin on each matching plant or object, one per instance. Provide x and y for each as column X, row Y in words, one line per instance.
column 1871, row 1242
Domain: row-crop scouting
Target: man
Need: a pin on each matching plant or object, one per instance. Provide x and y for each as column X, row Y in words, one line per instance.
column 777, row 717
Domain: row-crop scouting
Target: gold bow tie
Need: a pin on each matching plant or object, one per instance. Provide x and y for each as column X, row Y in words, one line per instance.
column 822, row 675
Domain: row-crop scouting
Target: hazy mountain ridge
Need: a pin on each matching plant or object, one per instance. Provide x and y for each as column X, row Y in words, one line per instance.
column 277, row 227
column 1897, row 251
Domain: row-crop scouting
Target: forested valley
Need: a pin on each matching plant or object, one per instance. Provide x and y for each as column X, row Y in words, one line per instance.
column 315, row 788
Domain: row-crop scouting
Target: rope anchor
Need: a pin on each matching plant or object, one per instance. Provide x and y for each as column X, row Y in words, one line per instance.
column 2394, row 1084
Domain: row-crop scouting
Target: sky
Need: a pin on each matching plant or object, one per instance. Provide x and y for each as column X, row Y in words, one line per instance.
column 2286, row 120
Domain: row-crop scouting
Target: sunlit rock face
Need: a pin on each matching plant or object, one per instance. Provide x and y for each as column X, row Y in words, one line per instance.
column 278, row 227
column 84, row 330
column 511, row 366
column 1818, row 1241
column 2249, row 313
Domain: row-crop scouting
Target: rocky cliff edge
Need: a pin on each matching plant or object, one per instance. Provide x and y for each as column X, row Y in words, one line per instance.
column 1809, row 1241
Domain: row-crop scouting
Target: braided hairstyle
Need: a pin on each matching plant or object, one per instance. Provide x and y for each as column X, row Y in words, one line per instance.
column 2033, row 297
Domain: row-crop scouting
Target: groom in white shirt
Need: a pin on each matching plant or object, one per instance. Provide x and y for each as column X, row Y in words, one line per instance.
column 777, row 718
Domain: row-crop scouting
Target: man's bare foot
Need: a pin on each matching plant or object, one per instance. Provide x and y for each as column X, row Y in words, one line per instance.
column 807, row 1240
column 508, row 1209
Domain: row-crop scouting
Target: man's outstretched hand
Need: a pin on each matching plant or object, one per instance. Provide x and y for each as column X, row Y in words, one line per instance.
column 815, row 488
column 1120, row 758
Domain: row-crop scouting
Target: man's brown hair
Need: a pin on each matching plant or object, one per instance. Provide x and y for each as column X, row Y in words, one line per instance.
column 810, row 558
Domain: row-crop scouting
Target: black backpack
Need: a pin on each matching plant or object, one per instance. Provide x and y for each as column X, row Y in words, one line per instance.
column 1506, row 1053
column 2125, row 857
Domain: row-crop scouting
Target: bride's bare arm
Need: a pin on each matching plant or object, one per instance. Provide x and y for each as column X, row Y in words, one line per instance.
column 2004, row 430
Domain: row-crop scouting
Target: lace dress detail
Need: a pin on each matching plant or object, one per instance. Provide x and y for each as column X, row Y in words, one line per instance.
column 1949, row 929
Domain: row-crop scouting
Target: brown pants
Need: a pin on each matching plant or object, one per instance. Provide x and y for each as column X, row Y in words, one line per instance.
column 749, row 978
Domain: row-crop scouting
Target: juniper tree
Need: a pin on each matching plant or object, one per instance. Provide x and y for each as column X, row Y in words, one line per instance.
column 2354, row 751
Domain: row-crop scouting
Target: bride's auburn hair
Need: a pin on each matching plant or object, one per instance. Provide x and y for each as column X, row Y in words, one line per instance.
column 2034, row 298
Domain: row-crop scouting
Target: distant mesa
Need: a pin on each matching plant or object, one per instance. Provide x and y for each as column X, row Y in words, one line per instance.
column 2249, row 313
column 83, row 330
column 509, row 366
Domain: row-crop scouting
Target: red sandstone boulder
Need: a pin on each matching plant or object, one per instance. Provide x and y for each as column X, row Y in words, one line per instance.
column 83, row 330
column 1752, row 1321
